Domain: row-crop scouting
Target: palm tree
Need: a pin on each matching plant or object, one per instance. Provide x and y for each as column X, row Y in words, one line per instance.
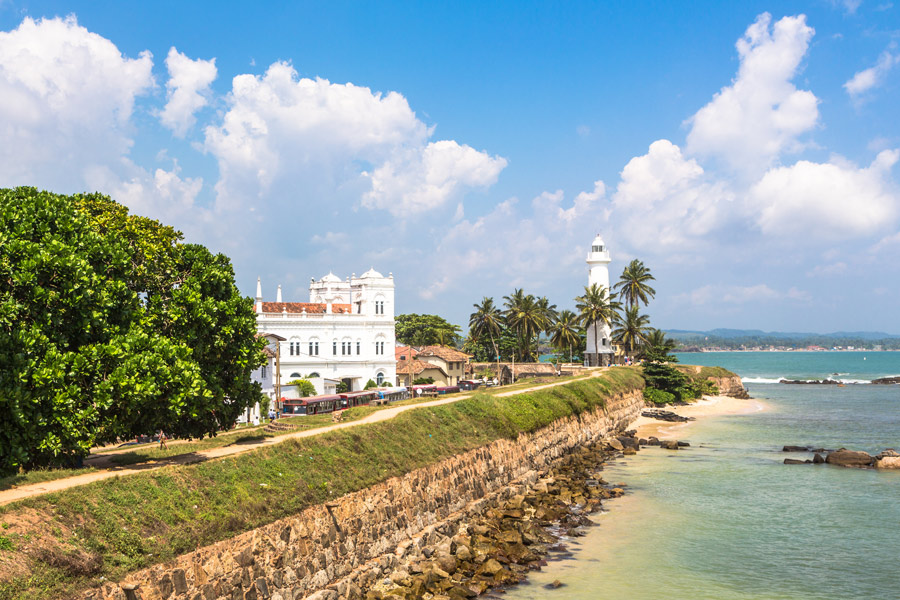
column 632, row 329
column 597, row 306
column 656, row 338
column 633, row 286
column 566, row 331
column 486, row 320
column 525, row 317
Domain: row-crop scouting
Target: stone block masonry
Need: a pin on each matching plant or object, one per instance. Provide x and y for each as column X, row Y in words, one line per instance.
column 296, row 557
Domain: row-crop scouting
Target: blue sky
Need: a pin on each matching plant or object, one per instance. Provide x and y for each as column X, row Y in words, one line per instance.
column 746, row 152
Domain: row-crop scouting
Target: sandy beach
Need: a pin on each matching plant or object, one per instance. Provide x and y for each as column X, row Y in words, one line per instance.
column 708, row 406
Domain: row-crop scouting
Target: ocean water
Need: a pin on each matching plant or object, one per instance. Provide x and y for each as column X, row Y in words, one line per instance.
column 725, row 519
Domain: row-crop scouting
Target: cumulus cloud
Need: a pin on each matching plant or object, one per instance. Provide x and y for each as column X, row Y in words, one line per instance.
column 519, row 243
column 750, row 123
column 867, row 79
column 281, row 129
column 68, row 96
column 666, row 200
column 187, row 90
column 827, row 200
column 424, row 179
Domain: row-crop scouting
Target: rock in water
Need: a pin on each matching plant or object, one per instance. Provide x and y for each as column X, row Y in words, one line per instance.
column 818, row 459
column 794, row 461
column 850, row 458
column 795, row 449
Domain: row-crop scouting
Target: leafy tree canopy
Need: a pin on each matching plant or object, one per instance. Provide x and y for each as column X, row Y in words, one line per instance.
column 111, row 327
column 305, row 387
column 425, row 330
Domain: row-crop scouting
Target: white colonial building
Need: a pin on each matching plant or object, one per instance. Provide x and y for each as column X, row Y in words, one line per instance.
column 344, row 334
column 599, row 349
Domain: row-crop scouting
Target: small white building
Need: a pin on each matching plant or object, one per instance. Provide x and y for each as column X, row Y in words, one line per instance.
column 599, row 350
column 344, row 334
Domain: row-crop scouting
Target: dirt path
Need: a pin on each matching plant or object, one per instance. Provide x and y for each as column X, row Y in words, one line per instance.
column 36, row 489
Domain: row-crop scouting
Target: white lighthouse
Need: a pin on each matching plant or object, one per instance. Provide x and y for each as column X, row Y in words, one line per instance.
column 599, row 351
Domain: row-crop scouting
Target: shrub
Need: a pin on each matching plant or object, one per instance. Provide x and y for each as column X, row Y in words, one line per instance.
column 655, row 396
column 423, row 381
column 370, row 384
column 304, row 386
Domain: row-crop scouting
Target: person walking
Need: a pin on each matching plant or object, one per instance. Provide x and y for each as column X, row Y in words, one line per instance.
column 162, row 440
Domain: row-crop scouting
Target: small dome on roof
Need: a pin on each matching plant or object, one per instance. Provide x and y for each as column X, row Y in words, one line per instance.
column 372, row 273
column 330, row 278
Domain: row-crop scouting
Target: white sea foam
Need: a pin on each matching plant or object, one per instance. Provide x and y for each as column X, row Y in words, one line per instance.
column 780, row 379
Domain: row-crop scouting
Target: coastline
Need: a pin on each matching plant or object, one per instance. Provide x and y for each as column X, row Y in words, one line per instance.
column 708, row 406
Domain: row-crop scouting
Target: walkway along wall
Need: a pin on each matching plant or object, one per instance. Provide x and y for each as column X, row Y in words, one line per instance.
column 294, row 557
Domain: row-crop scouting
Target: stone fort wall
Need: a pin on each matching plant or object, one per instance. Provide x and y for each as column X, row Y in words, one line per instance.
column 363, row 533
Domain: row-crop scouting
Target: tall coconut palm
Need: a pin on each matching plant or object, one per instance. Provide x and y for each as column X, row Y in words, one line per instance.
column 597, row 307
column 525, row 318
column 566, row 331
column 631, row 329
column 633, row 286
column 486, row 320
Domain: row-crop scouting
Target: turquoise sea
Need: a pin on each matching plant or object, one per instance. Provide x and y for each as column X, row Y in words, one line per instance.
column 725, row 519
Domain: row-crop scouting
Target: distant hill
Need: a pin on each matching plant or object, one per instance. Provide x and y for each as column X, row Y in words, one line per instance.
column 726, row 334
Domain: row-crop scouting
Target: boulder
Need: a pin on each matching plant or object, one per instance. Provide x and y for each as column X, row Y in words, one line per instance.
column 795, row 449
column 850, row 458
column 669, row 444
column 683, row 444
column 653, row 441
column 794, row 461
column 614, row 444
column 886, row 380
column 818, row 459
column 888, row 462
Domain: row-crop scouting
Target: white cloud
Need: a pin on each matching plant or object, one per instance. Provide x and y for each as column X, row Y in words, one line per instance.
column 68, row 96
column 512, row 246
column 425, row 179
column 717, row 294
column 849, row 6
column 836, row 268
column 163, row 195
column 187, row 90
column 867, row 79
column 750, row 123
column 311, row 136
column 666, row 201
column 827, row 200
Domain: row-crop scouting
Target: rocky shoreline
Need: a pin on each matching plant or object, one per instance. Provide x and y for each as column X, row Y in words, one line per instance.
column 484, row 551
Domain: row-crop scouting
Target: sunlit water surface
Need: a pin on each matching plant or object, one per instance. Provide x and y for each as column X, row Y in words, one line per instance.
column 725, row 519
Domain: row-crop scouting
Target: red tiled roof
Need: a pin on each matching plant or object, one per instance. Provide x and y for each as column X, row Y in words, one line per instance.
column 404, row 351
column 310, row 307
column 417, row 367
column 447, row 353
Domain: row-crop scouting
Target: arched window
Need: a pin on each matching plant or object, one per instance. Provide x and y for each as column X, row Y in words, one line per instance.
column 296, row 376
column 313, row 375
column 379, row 379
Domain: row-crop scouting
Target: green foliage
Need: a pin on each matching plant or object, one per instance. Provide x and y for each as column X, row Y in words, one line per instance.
column 6, row 543
column 423, row 381
column 341, row 388
column 370, row 384
column 658, row 396
column 305, row 387
column 425, row 330
column 110, row 328
column 134, row 522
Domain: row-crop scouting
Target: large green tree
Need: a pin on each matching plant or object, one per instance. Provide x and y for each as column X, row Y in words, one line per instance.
column 633, row 284
column 631, row 329
column 526, row 316
column 566, row 332
column 597, row 307
column 425, row 330
column 485, row 324
column 110, row 328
